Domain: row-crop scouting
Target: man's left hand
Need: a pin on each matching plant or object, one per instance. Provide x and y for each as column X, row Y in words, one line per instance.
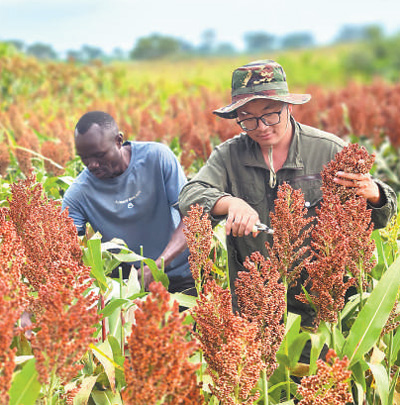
column 363, row 183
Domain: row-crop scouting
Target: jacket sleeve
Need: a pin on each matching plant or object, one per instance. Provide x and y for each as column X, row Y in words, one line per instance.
column 381, row 216
column 207, row 186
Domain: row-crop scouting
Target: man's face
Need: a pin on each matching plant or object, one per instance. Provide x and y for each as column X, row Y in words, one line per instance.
column 100, row 151
column 265, row 135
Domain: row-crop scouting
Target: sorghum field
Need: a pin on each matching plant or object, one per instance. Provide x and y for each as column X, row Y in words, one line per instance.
column 70, row 335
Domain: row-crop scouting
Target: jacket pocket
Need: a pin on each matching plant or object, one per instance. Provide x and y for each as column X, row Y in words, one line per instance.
column 311, row 188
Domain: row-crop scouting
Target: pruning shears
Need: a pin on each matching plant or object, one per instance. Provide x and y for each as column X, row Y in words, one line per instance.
column 263, row 228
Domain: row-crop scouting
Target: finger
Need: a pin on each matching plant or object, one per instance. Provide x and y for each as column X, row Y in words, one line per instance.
column 229, row 223
column 236, row 226
column 343, row 182
column 353, row 182
column 242, row 228
column 251, row 223
column 350, row 176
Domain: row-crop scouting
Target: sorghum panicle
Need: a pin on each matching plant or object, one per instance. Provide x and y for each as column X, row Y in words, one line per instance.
column 66, row 331
column 330, row 385
column 64, row 315
column 49, row 236
column 291, row 229
column 351, row 159
column 230, row 345
column 357, row 229
column 13, row 299
column 158, row 368
column 198, row 234
column 261, row 300
column 327, row 270
column 342, row 248
column 354, row 218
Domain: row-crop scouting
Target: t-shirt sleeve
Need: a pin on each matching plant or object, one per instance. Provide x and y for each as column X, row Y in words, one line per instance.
column 173, row 175
column 74, row 212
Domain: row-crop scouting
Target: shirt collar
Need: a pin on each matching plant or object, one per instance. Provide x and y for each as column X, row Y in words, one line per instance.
column 253, row 156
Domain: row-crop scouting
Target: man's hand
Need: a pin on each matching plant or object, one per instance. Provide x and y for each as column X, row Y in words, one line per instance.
column 363, row 183
column 147, row 275
column 241, row 216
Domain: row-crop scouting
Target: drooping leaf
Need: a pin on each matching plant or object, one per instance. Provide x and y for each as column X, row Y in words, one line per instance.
column 128, row 257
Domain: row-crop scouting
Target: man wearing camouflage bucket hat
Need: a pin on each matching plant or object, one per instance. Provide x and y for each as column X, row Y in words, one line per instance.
column 240, row 180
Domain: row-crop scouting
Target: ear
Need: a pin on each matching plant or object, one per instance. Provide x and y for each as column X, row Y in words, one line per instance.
column 119, row 139
column 290, row 108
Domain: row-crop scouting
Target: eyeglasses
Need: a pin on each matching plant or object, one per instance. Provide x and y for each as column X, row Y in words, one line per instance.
column 250, row 124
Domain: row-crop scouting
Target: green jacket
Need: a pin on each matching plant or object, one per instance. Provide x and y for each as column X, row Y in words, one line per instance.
column 237, row 168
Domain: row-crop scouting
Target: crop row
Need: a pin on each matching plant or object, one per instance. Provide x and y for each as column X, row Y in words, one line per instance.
column 42, row 102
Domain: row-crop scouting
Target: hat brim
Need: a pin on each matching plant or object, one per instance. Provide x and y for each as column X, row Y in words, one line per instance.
column 229, row 111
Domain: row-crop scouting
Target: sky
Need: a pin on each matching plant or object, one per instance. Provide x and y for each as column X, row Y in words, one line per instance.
column 110, row 24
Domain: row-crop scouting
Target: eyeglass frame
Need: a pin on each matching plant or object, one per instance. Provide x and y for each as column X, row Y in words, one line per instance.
column 260, row 119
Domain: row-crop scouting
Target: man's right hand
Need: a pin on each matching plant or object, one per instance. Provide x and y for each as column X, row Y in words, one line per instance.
column 241, row 216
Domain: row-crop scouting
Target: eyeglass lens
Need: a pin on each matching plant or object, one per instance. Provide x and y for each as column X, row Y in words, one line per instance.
column 268, row 119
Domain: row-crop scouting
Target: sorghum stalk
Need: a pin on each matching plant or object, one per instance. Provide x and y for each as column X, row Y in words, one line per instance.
column 265, row 385
column 141, row 271
column 332, row 325
column 389, row 352
column 122, row 312
column 103, row 321
column 360, row 284
column 50, row 389
column 287, row 370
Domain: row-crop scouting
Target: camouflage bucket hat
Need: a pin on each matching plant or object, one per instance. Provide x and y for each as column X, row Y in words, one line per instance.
column 259, row 79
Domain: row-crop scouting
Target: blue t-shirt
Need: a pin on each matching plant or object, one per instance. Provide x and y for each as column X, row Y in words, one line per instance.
column 139, row 206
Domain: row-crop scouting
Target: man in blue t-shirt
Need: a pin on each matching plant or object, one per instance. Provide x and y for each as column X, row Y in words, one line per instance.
column 129, row 190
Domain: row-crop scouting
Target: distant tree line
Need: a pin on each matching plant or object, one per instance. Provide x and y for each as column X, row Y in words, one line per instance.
column 157, row 46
